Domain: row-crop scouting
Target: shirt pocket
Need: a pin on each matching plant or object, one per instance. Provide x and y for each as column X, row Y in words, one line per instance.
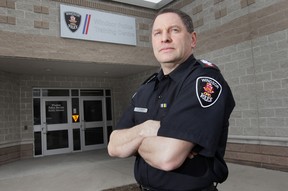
column 141, row 114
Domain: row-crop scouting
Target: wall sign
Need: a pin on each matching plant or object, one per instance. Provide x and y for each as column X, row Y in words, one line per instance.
column 87, row 24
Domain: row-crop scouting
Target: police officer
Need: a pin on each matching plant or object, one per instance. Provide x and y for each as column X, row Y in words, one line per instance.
column 177, row 123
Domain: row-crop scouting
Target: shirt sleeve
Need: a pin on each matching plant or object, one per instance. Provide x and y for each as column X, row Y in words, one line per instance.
column 198, row 112
column 127, row 119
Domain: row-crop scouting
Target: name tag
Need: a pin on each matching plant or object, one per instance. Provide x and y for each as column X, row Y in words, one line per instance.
column 140, row 109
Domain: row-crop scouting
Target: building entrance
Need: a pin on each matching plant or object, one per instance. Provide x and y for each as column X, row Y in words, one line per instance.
column 70, row 120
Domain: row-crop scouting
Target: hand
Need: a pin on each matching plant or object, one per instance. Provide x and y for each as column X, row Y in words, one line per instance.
column 192, row 154
column 149, row 128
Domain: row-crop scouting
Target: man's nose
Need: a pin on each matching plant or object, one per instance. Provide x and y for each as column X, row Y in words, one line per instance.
column 166, row 37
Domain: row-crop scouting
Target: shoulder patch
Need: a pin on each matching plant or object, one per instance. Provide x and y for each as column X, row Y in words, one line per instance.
column 207, row 64
column 208, row 91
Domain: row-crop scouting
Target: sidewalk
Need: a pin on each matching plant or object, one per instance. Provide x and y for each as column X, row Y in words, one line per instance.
column 96, row 171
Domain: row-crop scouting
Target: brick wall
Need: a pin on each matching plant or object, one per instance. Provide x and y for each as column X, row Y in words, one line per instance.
column 42, row 17
column 265, row 156
column 10, row 134
column 35, row 33
column 248, row 41
column 10, row 104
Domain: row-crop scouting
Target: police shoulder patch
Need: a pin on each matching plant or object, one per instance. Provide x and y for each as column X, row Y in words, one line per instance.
column 208, row 91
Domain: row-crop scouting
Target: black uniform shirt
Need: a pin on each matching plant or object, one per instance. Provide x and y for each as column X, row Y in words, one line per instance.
column 192, row 103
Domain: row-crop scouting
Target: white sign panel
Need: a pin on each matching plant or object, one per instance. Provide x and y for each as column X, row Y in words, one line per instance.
column 86, row 24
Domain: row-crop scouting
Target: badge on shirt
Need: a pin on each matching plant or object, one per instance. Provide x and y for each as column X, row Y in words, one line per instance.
column 140, row 109
column 208, row 91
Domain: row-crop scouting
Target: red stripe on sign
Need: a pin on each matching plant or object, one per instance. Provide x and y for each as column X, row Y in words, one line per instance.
column 88, row 23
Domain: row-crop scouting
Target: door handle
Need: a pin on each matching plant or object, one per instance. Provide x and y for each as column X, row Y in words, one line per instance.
column 83, row 125
column 45, row 128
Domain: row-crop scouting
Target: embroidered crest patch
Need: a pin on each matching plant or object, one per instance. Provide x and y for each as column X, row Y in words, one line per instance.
column 208, row 91
column 73, row 20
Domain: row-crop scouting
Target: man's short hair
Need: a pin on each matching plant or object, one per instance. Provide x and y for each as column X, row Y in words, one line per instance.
column 186, row 19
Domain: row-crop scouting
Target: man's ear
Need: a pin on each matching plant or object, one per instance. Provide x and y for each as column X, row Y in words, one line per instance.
column 194, row 39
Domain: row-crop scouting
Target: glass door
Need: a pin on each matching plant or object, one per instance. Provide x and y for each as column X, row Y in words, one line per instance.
column 93, row 131
column 57, row 136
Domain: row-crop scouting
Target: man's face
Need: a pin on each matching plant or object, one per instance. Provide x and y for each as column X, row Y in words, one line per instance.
column 172, row 43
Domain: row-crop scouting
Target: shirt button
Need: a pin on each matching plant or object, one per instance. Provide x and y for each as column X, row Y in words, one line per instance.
column 159, row 97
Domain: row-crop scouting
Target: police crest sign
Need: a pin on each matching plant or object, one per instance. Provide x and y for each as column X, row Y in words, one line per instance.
column 208, row 91
column 89, row 24
column 73, row 20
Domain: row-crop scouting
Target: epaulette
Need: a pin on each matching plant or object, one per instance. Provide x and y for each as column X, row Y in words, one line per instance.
column 207, row 64
column 150, row 79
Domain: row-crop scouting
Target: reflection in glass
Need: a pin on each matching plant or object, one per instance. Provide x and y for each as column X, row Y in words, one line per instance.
column 93, row 111
column 37, row 143
column 55, row 92
column 76, row 140
column 92, row 92
column 36, row 111
column 56, row 112
column 94, row 136
column 108, row 109
column 36, row 92
column 57, row 139
column 75, row 92
column 108, row 92
column 109, row 131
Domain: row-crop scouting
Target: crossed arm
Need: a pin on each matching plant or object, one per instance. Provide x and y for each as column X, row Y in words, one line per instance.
column 160, row 152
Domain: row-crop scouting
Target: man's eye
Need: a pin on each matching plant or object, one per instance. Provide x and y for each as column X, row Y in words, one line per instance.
column 156, row 33
column 175, row 30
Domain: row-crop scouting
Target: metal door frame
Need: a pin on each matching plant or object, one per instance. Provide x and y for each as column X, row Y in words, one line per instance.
column 83, row 125
column 45, row 127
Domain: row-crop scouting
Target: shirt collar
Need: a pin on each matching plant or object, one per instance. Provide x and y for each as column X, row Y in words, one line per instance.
column 180, row 71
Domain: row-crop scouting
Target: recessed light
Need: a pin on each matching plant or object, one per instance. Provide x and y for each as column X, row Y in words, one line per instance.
column 153, row 1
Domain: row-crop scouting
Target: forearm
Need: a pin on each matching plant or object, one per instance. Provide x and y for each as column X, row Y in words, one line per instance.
column 125, row 142
column 164, row 153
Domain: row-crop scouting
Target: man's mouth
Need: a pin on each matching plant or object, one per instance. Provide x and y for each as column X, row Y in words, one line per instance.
column 166, row 49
